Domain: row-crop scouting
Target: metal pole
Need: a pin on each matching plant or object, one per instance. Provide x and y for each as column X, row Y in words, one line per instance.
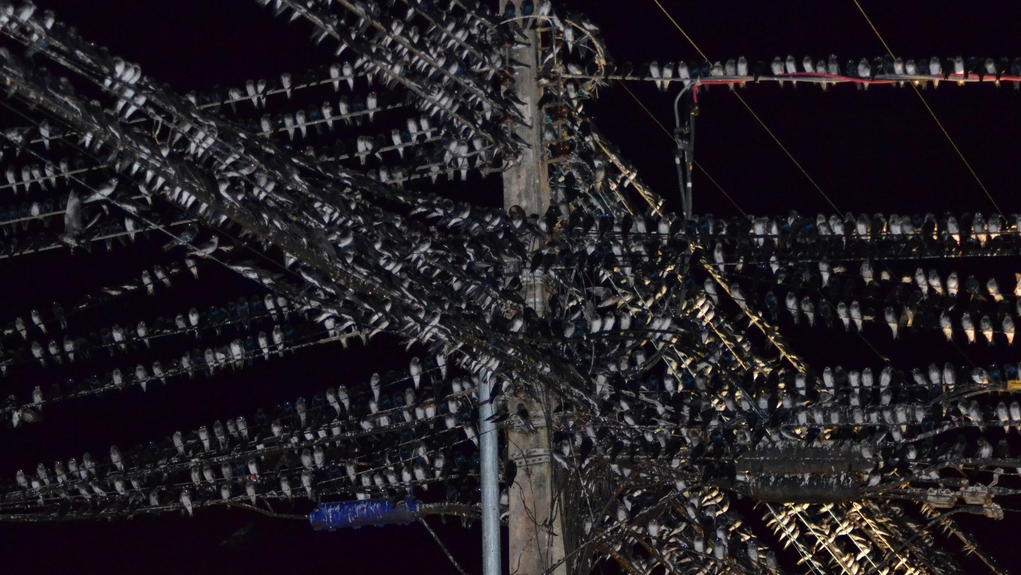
column 491, row 562
column 684, row 137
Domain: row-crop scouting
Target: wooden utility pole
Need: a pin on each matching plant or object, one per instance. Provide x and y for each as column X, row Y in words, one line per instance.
column 535, row 519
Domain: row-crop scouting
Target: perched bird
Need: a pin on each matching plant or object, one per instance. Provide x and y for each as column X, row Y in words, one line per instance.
column 891, row 320
column 187, row 502
column 949, row 375
column 524, row 418
column 856, row 315
column 207, row 249
column 776, row 67
column 986, row 327
column 74, row 225
column 952, row 284
column 844, row 315
column 791, row 301
column 866, row 272
column 808, row 308
column 946, row 325
column 968, row 326
column 935, row 283
column 1003, row 415
column 415, row 370
column 656, row 75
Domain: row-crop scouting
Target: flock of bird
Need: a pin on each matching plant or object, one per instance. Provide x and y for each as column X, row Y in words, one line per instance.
column 664, row 342
column 825, row 72
column 299, row 448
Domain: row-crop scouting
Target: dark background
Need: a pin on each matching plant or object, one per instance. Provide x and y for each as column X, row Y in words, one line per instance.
column 875, row 150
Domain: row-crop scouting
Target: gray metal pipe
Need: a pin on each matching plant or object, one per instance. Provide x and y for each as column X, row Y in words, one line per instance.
column 684, row 154
column 488, row 445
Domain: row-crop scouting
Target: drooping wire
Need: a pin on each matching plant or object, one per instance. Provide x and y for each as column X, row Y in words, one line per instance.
column 442, row 546
column 931, row 113
column 752, row 112
column 786, row 151
column 681, row 30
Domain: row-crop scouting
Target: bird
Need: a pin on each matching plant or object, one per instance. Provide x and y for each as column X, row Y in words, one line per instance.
column 1003, row 415
column 856, row 315
column 205, row 250
column 935, row 68
column 968, row 326
column 946, row 325
column 949, row 375
column 952, row 284
column 302, row 122
column 710, row 290
column 524, row 418
column 186, row 501
column 285, row 81
column 74, row 225
column 891, row 320
column 866, row 272
column 791, row 301
column 349, row 74
column 808, row 308
column 103, row 192
column 374, row 385
column 985, row 449
column 986, row 327
column 371, row 104
column 742, row 66
column 656, row 75
column 415, row 370
column 791, row 65
column 922, row 282
column 935, row 283
column 776, row 67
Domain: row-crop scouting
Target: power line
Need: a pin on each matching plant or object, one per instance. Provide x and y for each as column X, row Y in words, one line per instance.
column 678, row 26
column 813, row 77
column 719, row 187
column 442, row 546
column 749, row 108
column 667, row 132
column 786, row 151
column 631, row 278
column 931, row 113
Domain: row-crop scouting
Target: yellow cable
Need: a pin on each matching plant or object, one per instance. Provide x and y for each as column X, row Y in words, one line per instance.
column 749, row 108
column 869, row 20
column 786, row 151
column 931, row 113
column 722, row 191
column 678, row 26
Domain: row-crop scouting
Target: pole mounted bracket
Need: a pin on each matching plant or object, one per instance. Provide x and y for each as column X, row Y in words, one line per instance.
column 529, row 457
column 684, row 138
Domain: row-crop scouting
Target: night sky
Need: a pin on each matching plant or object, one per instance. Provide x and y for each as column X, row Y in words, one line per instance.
column 870, row 151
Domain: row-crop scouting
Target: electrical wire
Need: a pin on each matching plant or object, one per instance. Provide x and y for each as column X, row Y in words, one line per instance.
column 442, row 546
column 502, row 355
column 931, row 113
column 681, row 30
column 736, row 353
column 752, row 112
column 667, row 132
column 785, row 150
